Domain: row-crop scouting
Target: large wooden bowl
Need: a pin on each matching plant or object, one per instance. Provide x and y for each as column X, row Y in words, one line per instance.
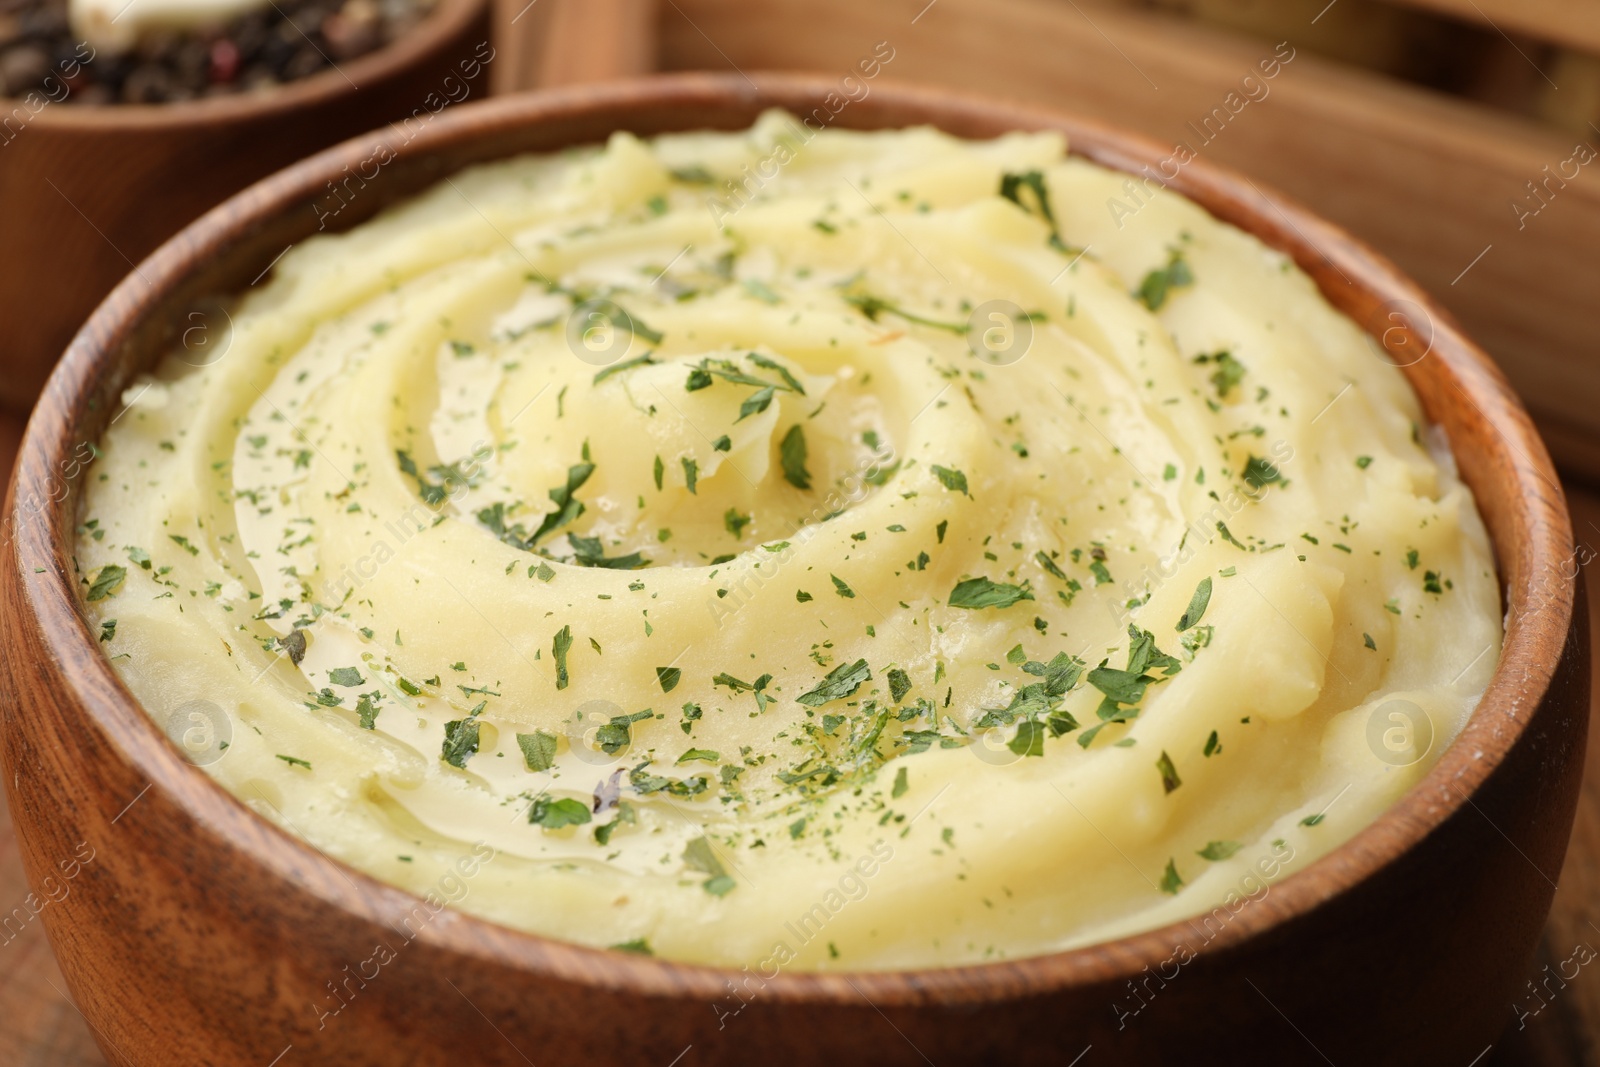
column 201, row 934
column 87, row 192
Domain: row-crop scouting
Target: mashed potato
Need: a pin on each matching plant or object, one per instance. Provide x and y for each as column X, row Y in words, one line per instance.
column 895, row 559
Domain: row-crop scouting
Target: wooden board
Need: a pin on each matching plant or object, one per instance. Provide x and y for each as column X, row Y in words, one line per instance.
column 1426, row 179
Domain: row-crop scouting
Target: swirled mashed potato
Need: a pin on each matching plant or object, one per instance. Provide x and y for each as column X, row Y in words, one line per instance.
column 891, row 562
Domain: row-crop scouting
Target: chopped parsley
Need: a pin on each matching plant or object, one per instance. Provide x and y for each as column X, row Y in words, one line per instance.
column 538, row 750
column 349, row 677
column 1260, row 473
column 557, row 814
column 840, row 682
column 1153, row 290
column 461, row 739
column 1169, row 774
column 699, row 856
column 983, row 593
column 628, row 364
column 1170, row 880
column 1229, row 373
column 559, row 649
column 951, row 479
column 1219, row 850
column 1011, row 186
column 106, row 581
column 792, row 455
column 367, row 710
column 1197, row 605
column 617, row 734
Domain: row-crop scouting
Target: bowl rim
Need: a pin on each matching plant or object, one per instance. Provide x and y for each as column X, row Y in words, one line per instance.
column 1539, row 607
column 444, row 21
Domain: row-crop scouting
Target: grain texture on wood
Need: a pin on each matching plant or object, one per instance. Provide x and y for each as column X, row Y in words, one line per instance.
column 86, row 193
column 574, row 42
column 39, row 1027
column 11, row 425
column 1427, row 180
column 1574, row 23
column 1564, row 1012
column 202, row 933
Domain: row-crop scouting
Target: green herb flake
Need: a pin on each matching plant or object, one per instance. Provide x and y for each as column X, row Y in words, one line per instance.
column 557, row 814
column 1169, row 774
column 1011, row 186
column 628, row 364
column 760, row 290
column 756, row 403
column 460, row 740
column 1153, row 290
column 899, row 684
column 1260, row 473
column 951, row 479
column 106, row 581
column 699, row 856
column 792, row 455
column 1170, row 880
column 559, row 649
column 840, row 682
column 1219, row 850
column 538, row 750
column 1197, row 605
column 1029, row 740
column 982, row 593
column 637, row 947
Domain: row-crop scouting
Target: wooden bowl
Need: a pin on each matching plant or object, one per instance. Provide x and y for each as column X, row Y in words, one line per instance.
column 200, row 933
column 87, row 192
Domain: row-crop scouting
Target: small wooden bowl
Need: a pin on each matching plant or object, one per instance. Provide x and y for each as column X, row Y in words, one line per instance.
column 200, row 933
column 87, row 192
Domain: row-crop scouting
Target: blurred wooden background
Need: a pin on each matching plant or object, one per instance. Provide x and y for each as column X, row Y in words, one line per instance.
column 1448, row 134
